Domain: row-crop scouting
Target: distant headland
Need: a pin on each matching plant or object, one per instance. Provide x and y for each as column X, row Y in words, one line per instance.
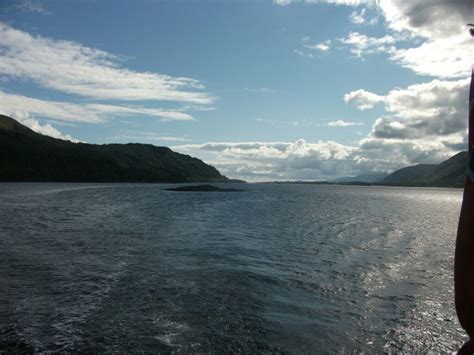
column 29, row 156
column 449, row 173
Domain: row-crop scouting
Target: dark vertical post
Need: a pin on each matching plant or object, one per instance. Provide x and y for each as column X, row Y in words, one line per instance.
column 464, row 255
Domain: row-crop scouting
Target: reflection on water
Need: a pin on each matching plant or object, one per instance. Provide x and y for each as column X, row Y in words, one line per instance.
column 277, row 268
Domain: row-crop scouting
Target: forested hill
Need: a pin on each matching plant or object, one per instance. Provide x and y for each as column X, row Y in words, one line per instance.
column 449, row 173
column 28, row 156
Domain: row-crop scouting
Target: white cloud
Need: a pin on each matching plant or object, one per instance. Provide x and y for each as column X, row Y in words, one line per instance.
column 18, row 106
column 429, row 99
column 134, row 136
column 262, row 90
column 342, row 123
column 300, row 160
column 436, row 108
column 435, row 36
column 343, row 2
column 275, row 160
column 45, row 129
column 334, row 2
column 361, row 44
column 449, row 57
column 363, row 99
column 76, row 69
column 427, row 37
column 165, row 115
column 426, row 123
column 31, row 6
column 360, row 18
column 397, row 153
column 429, row 19
column 323, row 46
column 283, row 2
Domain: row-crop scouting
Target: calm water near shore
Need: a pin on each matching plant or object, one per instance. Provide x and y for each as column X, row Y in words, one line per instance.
column 276, row 268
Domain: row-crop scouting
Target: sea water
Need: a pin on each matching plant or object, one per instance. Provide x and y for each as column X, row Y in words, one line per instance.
column 276, row 268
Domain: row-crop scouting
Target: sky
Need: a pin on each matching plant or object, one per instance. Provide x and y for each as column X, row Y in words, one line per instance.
column 264, row 90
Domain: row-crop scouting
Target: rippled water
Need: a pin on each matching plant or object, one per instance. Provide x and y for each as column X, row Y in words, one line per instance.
column 276, row 268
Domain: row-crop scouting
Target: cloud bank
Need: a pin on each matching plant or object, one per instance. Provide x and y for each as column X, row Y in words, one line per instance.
column 76, row 69
column 94, row 75
column 424, row 123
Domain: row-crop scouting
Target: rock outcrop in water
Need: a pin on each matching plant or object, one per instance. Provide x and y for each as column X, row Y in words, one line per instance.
column 201, row 188
column 28, row 156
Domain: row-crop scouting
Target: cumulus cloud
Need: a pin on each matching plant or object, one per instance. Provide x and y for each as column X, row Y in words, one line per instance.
column 361, row 18
column 46, row 130
column 436, row 108
column 427, row 37
column 308, row 48
column 363, row 99
column 275, row 160
column 323, row 46
column 436, row 40
column 444, row 57
column 342, row 123
column 425, row 123
column 403, row 152
column 301, row 160
column 323, row 160
column 76, row 69
column 430, row 19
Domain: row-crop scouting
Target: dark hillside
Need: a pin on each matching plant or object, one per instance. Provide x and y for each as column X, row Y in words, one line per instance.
column 28, row 156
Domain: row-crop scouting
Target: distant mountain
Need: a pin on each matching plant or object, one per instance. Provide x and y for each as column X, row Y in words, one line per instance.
column 449, row 173
column 366, row 178
column 408, row 175
column 28, row 156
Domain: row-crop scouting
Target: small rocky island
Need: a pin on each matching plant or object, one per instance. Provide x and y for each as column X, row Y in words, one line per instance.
column 201, row 188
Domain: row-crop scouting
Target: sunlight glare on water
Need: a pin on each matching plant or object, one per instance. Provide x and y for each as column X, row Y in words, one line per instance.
column 280, row 268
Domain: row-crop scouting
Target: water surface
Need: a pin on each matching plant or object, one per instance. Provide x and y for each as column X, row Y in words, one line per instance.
column 276, row 268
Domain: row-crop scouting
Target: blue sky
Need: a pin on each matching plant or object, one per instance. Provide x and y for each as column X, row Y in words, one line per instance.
column 264, row 90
